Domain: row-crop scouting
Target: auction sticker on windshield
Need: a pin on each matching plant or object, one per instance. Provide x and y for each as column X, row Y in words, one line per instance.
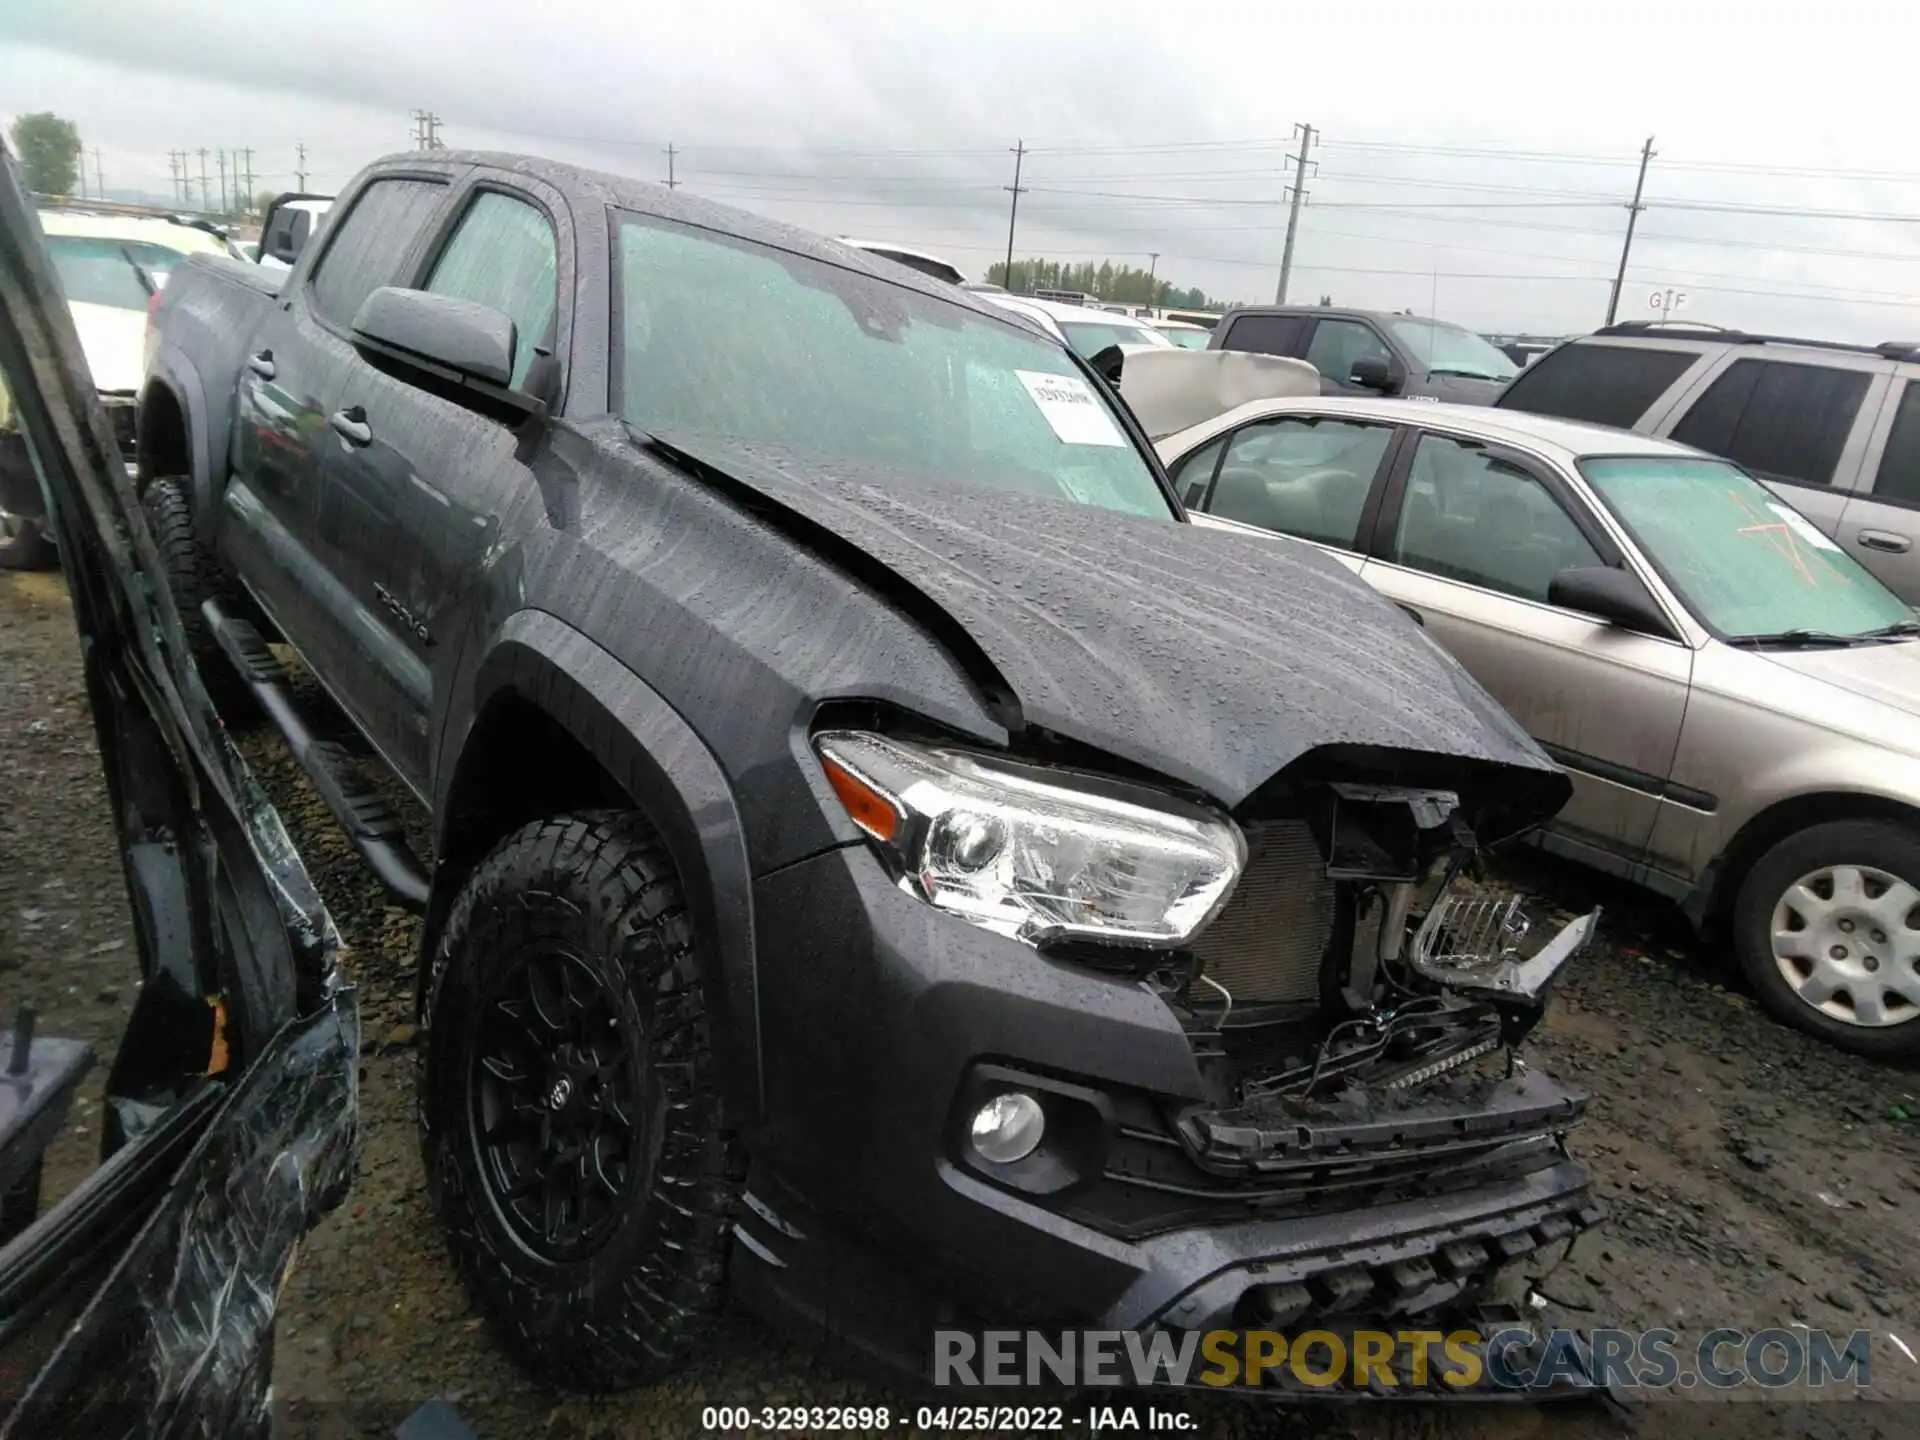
column 1803, row 527
column 1071, row 409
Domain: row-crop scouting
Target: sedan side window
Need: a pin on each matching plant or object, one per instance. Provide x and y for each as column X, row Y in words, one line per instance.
column 504, row 255
column 1336, row 344
column 1473, row 517
column 1191, row 473
column 1304, row 475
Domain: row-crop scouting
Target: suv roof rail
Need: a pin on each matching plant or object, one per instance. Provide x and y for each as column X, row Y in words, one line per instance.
column 1888, row 349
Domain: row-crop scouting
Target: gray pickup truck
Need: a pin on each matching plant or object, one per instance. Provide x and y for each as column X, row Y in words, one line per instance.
column 884, row 862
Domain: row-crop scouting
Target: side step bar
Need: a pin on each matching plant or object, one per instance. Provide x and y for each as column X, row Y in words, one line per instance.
column 376, row 832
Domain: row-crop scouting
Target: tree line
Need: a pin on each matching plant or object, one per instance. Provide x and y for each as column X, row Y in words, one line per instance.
column 1123, row 283
column 48, row 149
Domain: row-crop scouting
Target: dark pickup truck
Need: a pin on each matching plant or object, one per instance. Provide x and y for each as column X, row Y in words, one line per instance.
column 883, row 861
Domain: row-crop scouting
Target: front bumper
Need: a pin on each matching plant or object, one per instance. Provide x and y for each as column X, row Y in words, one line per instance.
column 867, row 1224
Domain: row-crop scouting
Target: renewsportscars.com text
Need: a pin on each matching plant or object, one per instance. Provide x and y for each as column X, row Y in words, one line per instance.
column 1512, row 1359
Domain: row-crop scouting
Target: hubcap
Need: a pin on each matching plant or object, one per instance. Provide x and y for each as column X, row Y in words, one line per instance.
column 1846, row 938
column 556, row 1105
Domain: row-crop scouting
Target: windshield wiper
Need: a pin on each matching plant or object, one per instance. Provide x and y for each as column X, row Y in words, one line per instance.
column 1464, row 374
column 1804, row 640
column 1899, row 630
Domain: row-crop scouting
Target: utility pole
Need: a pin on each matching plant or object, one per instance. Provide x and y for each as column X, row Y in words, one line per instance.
column 1305, row 133
column 1013, row 210
column 300, row 164
column 1153, row 292
column 1633, row 214
column 225, row 209
column 205, row 189
column 246, row 194
column 99, row 180
column 173, row 170
column 426, row 130
column 671, row 182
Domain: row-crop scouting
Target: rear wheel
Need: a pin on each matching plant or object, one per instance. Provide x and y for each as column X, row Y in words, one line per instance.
column 1827, row 928
column 192, row 577
column 570, row 1123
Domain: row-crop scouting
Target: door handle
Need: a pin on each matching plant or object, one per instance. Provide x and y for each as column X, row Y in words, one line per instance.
column 261, row 364
column 1885, row 540
column 351, row 425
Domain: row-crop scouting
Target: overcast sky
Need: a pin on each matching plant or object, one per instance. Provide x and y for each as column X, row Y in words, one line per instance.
column 1474, row 159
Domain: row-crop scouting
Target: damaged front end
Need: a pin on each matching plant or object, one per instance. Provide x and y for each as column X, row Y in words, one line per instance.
column 142, row 1302
column 1356, row 1009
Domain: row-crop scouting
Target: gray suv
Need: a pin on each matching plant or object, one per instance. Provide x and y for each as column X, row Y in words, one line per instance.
column 1834, row 429
column 1366, row 352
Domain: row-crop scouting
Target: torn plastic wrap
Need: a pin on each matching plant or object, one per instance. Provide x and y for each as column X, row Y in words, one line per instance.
column 232, row 1100
column 178, row 1341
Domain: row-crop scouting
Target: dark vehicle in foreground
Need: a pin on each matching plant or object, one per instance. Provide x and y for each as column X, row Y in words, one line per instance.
column 1368, row 352
column 885, row 862
column 141, row 1303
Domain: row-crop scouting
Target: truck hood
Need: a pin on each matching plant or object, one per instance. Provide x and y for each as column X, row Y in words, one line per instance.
column 1214, row 659
column 114, row 342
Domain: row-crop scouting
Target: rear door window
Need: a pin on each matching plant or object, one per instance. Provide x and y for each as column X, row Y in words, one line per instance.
column 1898, row 478
column 370, row 244
column 1266, row 334
column 1602, row 384
column 1780, row 420
column 1303, row 476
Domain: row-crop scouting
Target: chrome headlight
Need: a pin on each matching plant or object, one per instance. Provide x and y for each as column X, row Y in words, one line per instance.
column 1031, row 856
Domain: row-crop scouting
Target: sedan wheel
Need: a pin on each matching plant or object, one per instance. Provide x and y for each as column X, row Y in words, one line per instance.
column 1845, row 941
column 1827, row 929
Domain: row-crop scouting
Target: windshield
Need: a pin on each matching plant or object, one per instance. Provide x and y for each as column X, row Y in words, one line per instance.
column 95, row 270
column 723, row 337
column 1090, row 337
column 1743, row 560
column 1449, row 350
column 1186, row 339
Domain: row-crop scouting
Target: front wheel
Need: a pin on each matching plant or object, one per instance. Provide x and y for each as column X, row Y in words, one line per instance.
column 570, row 1121
column 1827, row 929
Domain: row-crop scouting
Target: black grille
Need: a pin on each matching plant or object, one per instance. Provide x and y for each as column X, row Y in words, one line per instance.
column 1268, row 942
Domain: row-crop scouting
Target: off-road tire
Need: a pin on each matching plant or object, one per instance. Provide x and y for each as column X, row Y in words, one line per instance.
column 1879, row 844
column 192, row 576
column 600, row 885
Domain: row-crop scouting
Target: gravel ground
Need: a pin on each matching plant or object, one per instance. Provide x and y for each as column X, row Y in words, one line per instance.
column 1756, row 1178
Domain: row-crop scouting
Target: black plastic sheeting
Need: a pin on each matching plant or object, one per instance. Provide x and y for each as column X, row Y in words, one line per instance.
column 194, row 1218
column 178, row 1341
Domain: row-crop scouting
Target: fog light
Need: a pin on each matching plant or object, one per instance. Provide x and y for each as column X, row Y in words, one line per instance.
column 1008, row 1127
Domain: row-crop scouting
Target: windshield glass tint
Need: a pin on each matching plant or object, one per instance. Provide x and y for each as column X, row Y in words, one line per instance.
column 733, row 340
column 1745, row 561
column 1455, row 351
column 1186, row 339
column 97, row 271
column 1091, row 337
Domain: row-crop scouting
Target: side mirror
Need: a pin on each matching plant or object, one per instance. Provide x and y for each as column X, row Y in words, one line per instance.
column 1611, row 595
column 455, row 339
column 1376, row 372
